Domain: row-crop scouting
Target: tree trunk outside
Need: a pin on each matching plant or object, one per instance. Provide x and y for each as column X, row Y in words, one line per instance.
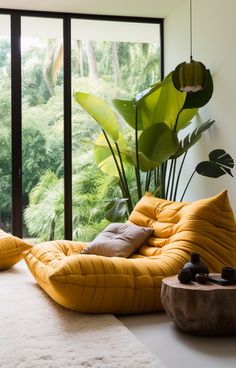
column 80, row 58
column 91, row 61
column 115, row 63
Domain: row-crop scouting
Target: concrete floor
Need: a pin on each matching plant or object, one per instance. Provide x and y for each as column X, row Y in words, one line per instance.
column 178, row 349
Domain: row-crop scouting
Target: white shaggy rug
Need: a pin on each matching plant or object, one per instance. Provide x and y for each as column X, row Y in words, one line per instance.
column 35, row 332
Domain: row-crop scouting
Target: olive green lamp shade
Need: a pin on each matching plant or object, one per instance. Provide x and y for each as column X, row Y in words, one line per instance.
column 189, row 77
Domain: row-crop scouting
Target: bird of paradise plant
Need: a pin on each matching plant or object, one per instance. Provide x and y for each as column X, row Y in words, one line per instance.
column 157, row 153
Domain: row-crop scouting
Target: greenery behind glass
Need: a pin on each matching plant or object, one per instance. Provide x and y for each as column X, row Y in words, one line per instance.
column 108, row 69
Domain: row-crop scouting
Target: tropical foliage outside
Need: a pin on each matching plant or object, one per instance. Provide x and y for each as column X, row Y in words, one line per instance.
column 108, row 69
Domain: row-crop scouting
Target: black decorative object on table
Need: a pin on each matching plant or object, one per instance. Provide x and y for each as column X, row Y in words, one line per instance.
column 196, row 270
column 227, row 276
column 228, row 273
column 201, row 278
column 185, row 276
column 195, row 265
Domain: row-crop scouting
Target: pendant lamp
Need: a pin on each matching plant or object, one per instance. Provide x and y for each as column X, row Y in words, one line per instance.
column 190, row 77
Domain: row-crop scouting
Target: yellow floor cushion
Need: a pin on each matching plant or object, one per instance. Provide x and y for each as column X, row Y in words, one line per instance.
column 11, row 249
column 97, row 284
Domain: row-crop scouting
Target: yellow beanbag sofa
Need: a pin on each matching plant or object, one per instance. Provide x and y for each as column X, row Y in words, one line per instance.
column 11, row 249
column 97, row 284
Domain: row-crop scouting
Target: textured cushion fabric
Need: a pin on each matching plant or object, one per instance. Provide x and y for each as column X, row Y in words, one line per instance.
column 118, row 240
column 206, row 226
column 97, row 284
column 11, row 249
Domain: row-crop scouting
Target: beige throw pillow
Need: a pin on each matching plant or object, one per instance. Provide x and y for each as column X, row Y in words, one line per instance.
column 118, row 240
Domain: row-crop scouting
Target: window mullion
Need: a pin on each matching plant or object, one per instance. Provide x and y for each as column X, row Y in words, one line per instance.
column 67, row 128
column 16, row 121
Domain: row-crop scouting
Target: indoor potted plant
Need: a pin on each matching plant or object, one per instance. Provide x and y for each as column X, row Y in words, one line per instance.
column 156, row 152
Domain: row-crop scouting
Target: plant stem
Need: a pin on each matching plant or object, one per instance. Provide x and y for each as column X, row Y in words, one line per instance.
column 148, row 179
column 130, row 205
column 122, row 185
column 114, row 156
column 137, row 173
column 173, row 179
column 178, row 177
column 156, row 176
column 169, row 177
column 162, row 179
column 187, row 185
column 176, row 121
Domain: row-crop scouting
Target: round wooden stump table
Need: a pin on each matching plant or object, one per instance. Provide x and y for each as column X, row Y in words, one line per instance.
column 208, row 309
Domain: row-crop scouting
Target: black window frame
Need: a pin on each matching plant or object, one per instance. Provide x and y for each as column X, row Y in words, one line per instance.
column 16, row 103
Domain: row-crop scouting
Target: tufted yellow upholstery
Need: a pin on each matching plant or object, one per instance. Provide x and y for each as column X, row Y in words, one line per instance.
column 96, row 284
column 11, row 249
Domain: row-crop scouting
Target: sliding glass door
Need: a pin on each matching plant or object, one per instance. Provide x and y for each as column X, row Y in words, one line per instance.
column 109, row 59
column 5, row 123
column 42, row 127
column 50, row 184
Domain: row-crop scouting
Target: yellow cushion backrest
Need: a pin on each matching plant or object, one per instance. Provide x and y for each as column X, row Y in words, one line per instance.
column 97, row 284
column 206, row 226
column 11, row 249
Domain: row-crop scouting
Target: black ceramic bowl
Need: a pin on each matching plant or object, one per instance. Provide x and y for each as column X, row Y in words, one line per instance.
column 228, row 273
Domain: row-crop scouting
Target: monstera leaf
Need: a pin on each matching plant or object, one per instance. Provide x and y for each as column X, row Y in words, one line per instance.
column 219, row 164
column 192, row 138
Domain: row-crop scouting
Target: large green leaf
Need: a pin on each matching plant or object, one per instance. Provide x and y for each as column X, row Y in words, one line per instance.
column 161, row 104
column 103, row 155
column 145, row 111
column 106, row 163
column 200, row 98
column 147, row 107
column 104, row 160
column 154, row 103
column 170, row 104
column 100, row 111
column 192, row 138
column 185, row 118
column 127, row 110
column 158, row 143
column 145, row 164
column 219, row 164
column 148, row 91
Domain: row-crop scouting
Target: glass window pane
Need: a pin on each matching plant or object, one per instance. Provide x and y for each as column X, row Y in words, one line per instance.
column 5, row 123
column 109, row 59
column 42, row 127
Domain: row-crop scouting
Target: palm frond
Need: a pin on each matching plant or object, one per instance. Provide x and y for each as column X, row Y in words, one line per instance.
column 53, row 63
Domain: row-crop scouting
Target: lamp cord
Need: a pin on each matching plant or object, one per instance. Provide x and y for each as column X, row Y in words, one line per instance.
column 191, row 35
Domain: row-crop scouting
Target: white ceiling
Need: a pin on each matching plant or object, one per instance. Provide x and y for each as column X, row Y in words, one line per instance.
column 145, row 8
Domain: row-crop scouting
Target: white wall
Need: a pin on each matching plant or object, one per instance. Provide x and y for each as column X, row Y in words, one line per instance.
column 142, row 8
column 214, row 36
